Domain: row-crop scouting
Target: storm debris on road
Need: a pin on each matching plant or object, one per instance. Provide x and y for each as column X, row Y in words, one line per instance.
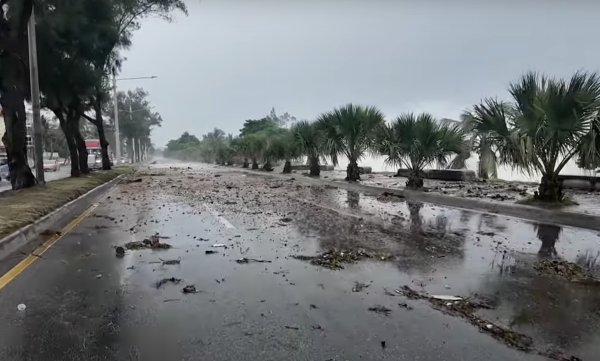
column 466, row 309
column 565, row 270
column 170, row 261
column 164, row 281
column 190, row 289
column 153, row 243
column 334, row 259
column 405, row 305
column 358, row 286
column 248, row 260
column 292, row 327
column 382, row 310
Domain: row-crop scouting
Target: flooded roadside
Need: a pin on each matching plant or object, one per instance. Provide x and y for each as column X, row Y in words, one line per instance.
column 433, row 250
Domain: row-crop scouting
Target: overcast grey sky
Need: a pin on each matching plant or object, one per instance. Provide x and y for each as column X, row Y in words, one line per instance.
column 232, row 60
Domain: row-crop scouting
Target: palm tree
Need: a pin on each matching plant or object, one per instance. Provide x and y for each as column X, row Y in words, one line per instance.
column 554, row 121
column 415, row 141
column 488, row 131
column 285, row 147
column 310, row 142
column 348, row 131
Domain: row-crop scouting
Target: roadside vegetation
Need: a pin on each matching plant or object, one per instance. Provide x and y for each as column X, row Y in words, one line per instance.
column 79, row 46
column 548, row 122
column 25, row 206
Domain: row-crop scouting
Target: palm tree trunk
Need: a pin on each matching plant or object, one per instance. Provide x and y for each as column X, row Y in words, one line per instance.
column 414, row 180
column 352, row 172
column 315, row 168
column 550, row 189
column 287, row 167
column 483, row 174
column 245, row 164
column 254, row 163
column 267, row 166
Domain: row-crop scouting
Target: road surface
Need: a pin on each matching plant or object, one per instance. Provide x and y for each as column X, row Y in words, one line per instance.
column 64, row 172
column 84, row 303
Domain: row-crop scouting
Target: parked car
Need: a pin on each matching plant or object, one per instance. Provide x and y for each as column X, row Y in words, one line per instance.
column 51, row 165
column 3, row 169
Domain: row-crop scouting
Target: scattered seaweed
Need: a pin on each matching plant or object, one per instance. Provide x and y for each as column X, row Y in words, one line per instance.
column 149, row 243
column 164, row 281
column 466, row 308
column 334, row 259
column 565, row 270
column 382, row 310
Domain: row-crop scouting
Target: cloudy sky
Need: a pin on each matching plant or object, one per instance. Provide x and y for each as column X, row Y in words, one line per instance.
column 232, row 60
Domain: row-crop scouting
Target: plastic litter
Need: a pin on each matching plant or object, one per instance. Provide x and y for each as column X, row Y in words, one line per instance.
column 21, row 307
column 216, row 245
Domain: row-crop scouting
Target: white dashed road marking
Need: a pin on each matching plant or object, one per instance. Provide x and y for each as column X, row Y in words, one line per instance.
column 221, row 219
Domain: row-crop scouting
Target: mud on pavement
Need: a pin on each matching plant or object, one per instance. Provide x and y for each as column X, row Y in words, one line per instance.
column 490, row 264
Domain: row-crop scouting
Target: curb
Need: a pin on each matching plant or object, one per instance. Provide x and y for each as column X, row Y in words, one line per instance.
column 56, row 219
column 536, row 214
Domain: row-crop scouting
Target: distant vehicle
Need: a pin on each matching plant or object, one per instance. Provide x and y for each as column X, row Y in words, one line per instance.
column 4, row 169
column 51, row 165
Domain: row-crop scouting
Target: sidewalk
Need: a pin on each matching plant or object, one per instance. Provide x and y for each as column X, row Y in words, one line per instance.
column 585, row 215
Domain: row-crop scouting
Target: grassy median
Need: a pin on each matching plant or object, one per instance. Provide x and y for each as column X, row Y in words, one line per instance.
column 22, row 207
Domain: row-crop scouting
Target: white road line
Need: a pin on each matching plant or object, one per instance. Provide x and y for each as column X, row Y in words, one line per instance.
column 220, row 218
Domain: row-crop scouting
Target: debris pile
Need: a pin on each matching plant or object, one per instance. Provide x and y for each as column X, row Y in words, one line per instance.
column 466, row 308
column 153, row 243
column 382, row 310
column 565, row 270
column 164, row 281
column 190, row 289
column 334, row 259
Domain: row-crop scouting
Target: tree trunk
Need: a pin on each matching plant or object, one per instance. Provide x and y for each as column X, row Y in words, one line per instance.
column 267, row 166
column 414, row 180
column 315, row 168
column 550, row 189
column 138, row 152
column 287, row 167
column 13, row 107
column 352, row 172
column 254, row 163
column 130, row 149
column 82, row 153
column 483, row 174
column 102, row 136
column 245, row 164
column 70, row 139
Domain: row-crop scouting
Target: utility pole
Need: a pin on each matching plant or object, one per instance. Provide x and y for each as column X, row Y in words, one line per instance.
column 117, row 137
column 35, row 100
column 133, row 159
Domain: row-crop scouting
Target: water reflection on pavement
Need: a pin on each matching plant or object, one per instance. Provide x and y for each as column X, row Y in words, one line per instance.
column 85, row 303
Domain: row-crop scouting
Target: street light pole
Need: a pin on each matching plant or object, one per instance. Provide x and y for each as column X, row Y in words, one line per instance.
column 133, row 159
column 35, row 100
column 117, row 135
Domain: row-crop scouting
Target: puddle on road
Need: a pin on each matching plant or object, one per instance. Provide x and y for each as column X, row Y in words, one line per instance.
column 458, row 252
column 436, row 250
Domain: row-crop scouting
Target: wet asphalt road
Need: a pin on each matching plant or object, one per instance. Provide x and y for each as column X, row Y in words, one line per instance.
column 83, row 303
